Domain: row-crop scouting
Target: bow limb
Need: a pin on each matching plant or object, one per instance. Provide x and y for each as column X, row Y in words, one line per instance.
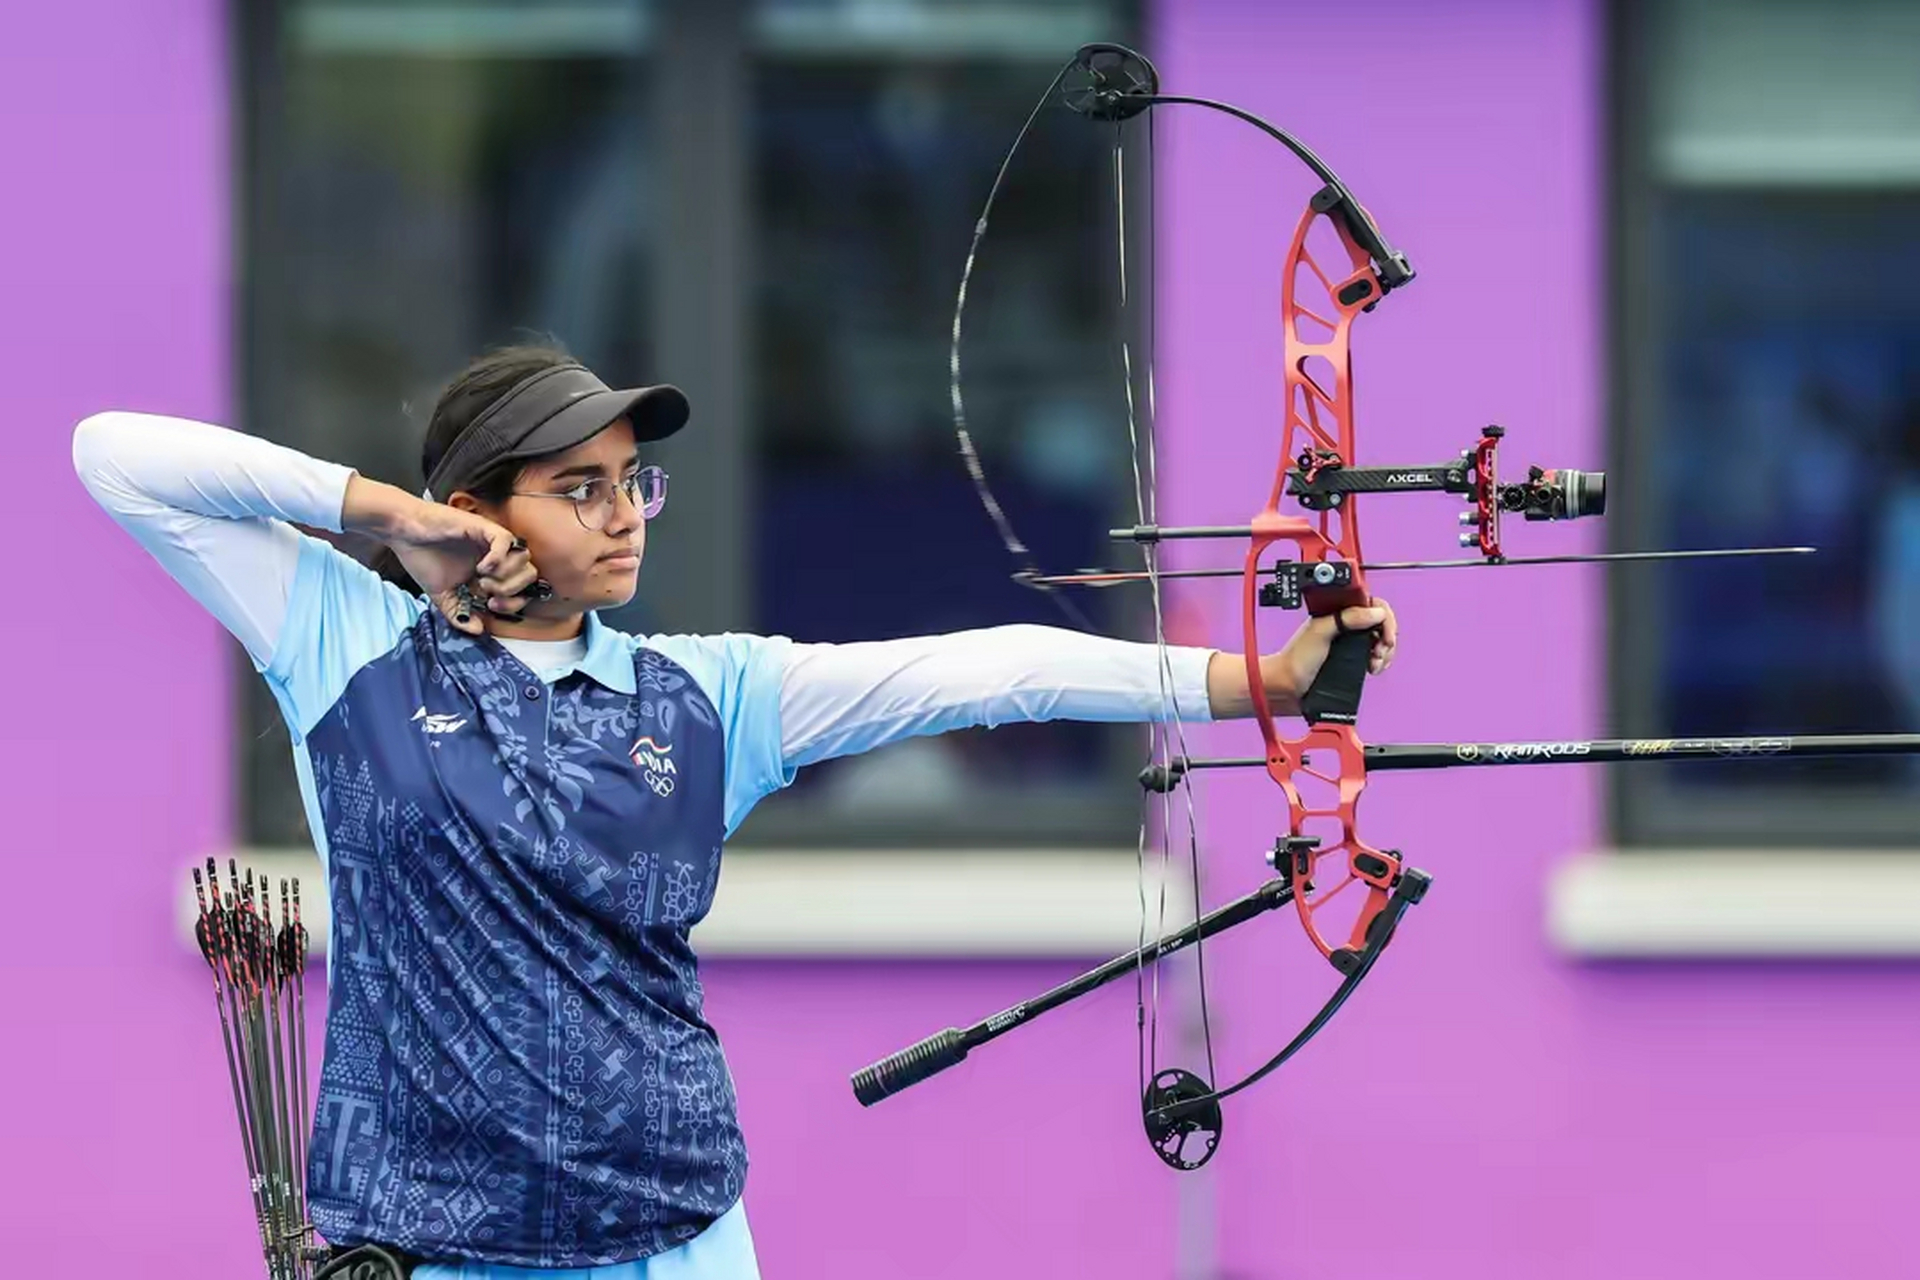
column 1177, row 1111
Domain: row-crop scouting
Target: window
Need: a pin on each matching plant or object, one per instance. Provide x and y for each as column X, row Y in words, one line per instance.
column 876, row 132
column 769, row 204
column 423, row 181
column 1767, row 349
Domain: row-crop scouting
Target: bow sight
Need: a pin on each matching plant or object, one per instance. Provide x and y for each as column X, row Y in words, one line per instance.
column 1308, row 513
column 1321, row 481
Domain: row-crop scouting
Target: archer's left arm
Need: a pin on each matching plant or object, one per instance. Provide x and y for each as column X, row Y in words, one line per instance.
column 842, row 699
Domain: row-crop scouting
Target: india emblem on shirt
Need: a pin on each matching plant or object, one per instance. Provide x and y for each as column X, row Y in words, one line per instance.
column 655, row 761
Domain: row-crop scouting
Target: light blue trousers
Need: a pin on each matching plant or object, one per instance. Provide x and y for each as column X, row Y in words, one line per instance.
column 724, row 1251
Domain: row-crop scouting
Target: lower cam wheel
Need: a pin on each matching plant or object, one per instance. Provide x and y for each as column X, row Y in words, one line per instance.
column 1184, row 1132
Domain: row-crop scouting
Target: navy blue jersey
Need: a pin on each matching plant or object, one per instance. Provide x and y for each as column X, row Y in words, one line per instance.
column 517, row 1065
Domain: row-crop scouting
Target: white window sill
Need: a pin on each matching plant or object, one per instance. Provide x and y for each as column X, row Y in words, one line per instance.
column 1085, row 904
column 1081, row 904
column 1732, row 904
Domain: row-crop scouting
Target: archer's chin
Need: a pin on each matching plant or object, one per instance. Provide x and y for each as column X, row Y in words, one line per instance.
column 614, row 594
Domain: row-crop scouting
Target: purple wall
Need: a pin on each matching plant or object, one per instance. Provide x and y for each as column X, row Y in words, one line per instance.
column 1484, row 1110
column 1487, row 1110
column 1025, row 1161
column 121, row 1149
column 113, row 271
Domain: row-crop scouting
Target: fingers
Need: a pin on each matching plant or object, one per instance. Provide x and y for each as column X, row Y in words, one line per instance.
column 502, row 603
column 519, row 578
column 1389, row 626
column 505, row 581
column 1388, row 639
column 502, row 549
column 1364, row 617
column 1378, row 618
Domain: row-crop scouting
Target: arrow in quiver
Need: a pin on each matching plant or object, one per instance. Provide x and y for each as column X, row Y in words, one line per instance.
column 257, row 961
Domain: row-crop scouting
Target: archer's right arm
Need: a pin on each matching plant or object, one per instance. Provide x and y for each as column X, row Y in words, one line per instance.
column 216, row 508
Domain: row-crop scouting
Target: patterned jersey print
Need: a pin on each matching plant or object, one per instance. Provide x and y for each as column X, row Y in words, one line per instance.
column 517, row 1066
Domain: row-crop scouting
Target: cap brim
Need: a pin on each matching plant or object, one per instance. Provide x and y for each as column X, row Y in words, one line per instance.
column 655, row 413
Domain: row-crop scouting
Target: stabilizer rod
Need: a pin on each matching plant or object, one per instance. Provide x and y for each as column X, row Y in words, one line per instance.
column 938, row 1052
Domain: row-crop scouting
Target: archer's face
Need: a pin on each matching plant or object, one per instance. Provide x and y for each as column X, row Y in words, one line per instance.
column 556, row 499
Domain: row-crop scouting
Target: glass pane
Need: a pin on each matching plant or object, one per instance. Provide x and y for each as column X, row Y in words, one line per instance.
column 429, row 181
column 1788, row 94
column 1790, row 403
column 877, row 132
column 1769, row 386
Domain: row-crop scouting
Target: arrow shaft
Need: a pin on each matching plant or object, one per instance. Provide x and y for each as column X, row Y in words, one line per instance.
column 1460, row 755
column 1103, row 578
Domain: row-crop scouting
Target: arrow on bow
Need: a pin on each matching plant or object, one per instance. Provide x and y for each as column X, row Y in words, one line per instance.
column 1325, row 287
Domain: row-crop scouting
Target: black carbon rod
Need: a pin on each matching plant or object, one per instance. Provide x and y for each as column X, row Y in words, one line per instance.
column 938, row 1052
column 1460, row 755
column 1116, row 577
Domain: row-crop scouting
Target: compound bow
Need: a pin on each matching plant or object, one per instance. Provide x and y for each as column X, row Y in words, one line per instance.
column 1321, row 855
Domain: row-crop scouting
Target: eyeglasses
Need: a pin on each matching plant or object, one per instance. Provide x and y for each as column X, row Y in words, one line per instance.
column 592, row 499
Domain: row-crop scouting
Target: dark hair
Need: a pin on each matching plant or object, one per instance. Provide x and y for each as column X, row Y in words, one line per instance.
column 485, row 379
column 472, row 393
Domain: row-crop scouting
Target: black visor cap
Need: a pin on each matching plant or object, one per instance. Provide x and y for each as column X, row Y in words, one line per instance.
column 550, row 412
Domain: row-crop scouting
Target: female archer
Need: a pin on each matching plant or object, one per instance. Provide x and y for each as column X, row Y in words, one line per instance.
column 521, row 810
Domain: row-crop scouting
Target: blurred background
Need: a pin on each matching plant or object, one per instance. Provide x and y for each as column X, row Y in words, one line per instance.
column 1656, row 1022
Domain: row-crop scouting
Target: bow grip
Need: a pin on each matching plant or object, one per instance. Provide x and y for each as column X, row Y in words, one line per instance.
column 909, row 1066
column 1334, row 695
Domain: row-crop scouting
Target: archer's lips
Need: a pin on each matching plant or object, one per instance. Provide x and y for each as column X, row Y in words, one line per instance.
column 623, row 560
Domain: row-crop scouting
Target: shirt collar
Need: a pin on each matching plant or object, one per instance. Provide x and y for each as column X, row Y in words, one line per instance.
column 608, row 661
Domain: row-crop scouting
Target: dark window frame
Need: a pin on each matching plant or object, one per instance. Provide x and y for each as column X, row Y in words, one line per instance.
column 1645, row 812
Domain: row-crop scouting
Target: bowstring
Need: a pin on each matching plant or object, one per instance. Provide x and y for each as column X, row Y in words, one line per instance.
column 1172, row 730
column 1179, row 722
column 1144, row 505
column 1161, row 738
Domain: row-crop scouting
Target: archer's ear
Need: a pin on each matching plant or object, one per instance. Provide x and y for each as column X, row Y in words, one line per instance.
column 461, row 500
